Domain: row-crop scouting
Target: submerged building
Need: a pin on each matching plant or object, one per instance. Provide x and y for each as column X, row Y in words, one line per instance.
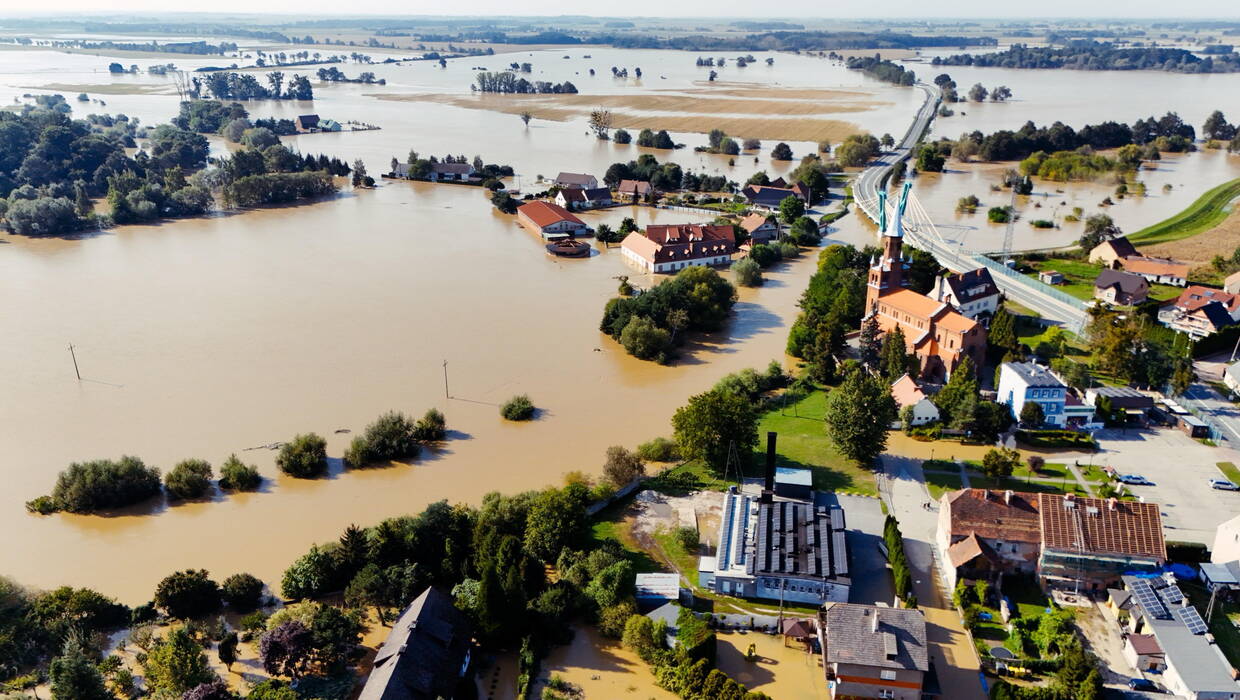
column 779, row 548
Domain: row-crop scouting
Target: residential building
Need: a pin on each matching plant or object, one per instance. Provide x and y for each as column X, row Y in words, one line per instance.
column 1143, row 652
column 873, row 652
column 330, row 125
column 550, row 221
column 1200, row 311
column 450, row 172
column 1110, row 252
column 1231, row 377
column 766, row 197
column 1231, row 285
column 906, row 392
column 307, row 123
column 668, row 248
column 1079, row 415
column 425, row 655
column 1192, row 665
column 973, row 294
column 1050, row 277
column 1022, row 382
column 581, row 181
column 939, row 337
column 1157, row 270
column 1068, row 541
column 634, row 190
column 1119, row 287
column 573, row 198
column 760, row 227
column 1224, row 578
column 1226, row 542
column 982, row 533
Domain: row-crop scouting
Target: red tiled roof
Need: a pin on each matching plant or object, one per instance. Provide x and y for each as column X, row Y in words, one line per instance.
column 1197, row 296
column 1101, row 526
column 633, row 187
column 679, row 242
column 1155, row 266
column 753, row 222
column 968, row 549
column 544, row 214
column 1145, row 645
column 987, row 514
column 906, row 392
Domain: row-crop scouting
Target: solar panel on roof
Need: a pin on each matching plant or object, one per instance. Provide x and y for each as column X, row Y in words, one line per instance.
column 1191, row 619
column 1171, row 594
column 1148, row 600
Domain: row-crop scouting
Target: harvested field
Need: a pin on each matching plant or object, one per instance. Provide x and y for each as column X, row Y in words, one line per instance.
column 1220, row 240
column 109, row 89
column 761, row 117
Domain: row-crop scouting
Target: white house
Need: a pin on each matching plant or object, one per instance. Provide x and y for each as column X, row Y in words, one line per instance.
column 760, row 227
column 906, row 393
column 668, row 248
column 1231, row 377
column 452, row 172
column 1021, row 382
column 974, row 294
column 1226, row 542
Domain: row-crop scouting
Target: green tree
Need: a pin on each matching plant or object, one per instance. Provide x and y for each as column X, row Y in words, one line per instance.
column 236, row 475
column 557, row 519
column 622, row 466
column 74, row 676
column 644, row 340
column 305, row 456
column 186, row 594
column 781, row 152
column 887, row 141
column 957, row 401
column 1182, row 376
column 870, row 344
column 747, row 272
column 713, row 423
column 929, row 160
column 177, row 664
column 639, row 637
column 227, row 650
column 791, row 209
column 858, row 413
column 1000, row 462
column 1032, row 415
column 518, row 408
column 272, row 689
column 894, row 359
column 242, row 592
column 190, row 478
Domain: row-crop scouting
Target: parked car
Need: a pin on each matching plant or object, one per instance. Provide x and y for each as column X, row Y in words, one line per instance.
column 1136, row 479
column 1142, row 684
column 1223, row 485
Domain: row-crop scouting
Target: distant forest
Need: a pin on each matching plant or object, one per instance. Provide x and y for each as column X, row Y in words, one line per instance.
column 1093, row 55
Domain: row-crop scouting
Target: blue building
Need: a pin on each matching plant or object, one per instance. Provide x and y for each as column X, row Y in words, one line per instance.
column 1022, row 382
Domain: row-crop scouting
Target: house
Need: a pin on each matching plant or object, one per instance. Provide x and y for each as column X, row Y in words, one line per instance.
column 939, row 337
column 425, row 655
column 1226, row 542
column 1231, row 285
column 1231, row 377
column 873, row 652
column 668, row 248
column 1119, row 287
column 906, row 393
column 1110, row 252
column 578, row 198
column 760, row 227
column 633, row 190
column 765, row 197
column 1079, row 415
column 1200, row 311
column 1143, row 652
column 982, row 533
column 1224, row 578
column 973, row 294
column 580, row 181
column 307, row 123
column 1022, row 382
column 550, row 221
column 779, row 182
column 450, row 172
column 1069, row 541
column 330, row 125
column 1050, row 277
column 1157, row 270
column 1192, row 665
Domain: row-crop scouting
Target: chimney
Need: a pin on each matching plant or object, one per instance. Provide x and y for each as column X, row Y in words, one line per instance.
column 874, row 622
column 1007, row 498
column 1111, row 503
column 768, row 485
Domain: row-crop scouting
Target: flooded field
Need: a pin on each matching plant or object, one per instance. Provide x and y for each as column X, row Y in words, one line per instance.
column 602, row 668
column 783, row 672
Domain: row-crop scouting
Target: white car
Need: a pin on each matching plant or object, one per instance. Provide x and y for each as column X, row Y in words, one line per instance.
column 1135, row 479
column 1223, row 485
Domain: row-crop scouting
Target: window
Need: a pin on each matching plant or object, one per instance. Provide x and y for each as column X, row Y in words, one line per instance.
column 888, row 675
column 884, row 693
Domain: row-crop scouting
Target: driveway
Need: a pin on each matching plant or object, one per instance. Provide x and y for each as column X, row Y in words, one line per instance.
column 1180, row 468
column 871, row 582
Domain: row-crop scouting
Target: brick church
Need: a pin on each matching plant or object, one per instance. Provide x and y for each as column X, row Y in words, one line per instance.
column 938, row 335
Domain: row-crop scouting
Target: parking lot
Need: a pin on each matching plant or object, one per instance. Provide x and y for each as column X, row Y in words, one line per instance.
column 1180, row 468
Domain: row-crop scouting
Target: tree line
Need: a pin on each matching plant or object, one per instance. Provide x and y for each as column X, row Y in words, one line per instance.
column 505, row 82
column 878, row 67
column 1095, row 55
column 1166, row 133
column 333, row 74
column 653, row 324
column 228, row 85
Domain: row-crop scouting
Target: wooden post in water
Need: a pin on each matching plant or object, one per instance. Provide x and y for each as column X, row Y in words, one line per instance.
column 75, row 365
column 446, row 395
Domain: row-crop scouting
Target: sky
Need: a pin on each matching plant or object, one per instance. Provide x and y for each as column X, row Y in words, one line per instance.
column 789, row 9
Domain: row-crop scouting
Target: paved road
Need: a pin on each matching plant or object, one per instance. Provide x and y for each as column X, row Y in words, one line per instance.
column 1050, row 303
column 955, row 660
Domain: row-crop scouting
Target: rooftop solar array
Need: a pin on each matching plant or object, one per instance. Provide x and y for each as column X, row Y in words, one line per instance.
column 1191, row 619
column 797, row 538
column 1148, row 600
column 1171, row 595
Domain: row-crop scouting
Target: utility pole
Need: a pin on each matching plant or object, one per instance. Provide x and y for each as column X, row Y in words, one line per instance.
column 75, row 365
column 446, row 395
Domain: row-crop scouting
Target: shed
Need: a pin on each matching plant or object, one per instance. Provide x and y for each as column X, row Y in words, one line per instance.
column 1050, row 277
column 794, row 482
column 1193, row 426
column 658, row 587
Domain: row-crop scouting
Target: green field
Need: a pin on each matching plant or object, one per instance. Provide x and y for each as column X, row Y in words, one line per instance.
column 1230, row 471
column 1079, row 276
column 1202, row 215
column 1223, row 625
column 803, row 442
column 938, row 484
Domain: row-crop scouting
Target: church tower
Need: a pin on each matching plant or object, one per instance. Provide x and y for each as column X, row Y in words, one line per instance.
column 887, row 271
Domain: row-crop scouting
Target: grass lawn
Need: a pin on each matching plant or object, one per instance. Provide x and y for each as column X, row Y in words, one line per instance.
column 1202, row 215
column 1230, row 471
column 609, row 525
column 1222, row 626
column 1079, row 278
column 1025, row 594
column 1048, row 471
column 1033, row 334
column 1094, row 475
column 938, row 484
column 803, row 442
column 1061, row 485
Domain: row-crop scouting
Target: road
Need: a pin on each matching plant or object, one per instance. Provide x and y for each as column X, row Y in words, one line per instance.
column 919, row 229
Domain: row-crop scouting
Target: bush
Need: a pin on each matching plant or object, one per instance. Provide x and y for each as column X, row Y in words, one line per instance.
column 687, row 538
column 660, row 449
column 89, row 486
column 747, row 272
column 765, row 255
column 1055, row 438
column 517, row 408
column 242, row 592
column 999, row 215
column 391, row 436
column 1042, row 223
column 622, row 137
column 186, row 594
column 190, row 478
column 305, row 457
column 236, row 475
column 622, row 466
column 431, row 427
column 788, row 250
column 642, row 339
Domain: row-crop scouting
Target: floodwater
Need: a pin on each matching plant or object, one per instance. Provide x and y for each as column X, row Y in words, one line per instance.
column 784, row 672
column 206, row 337
column 601, row 668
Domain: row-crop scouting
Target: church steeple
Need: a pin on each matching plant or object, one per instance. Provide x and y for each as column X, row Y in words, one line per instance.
column 887, row 272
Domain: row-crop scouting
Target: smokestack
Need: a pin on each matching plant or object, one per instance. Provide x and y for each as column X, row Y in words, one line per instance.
column 768, row 485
